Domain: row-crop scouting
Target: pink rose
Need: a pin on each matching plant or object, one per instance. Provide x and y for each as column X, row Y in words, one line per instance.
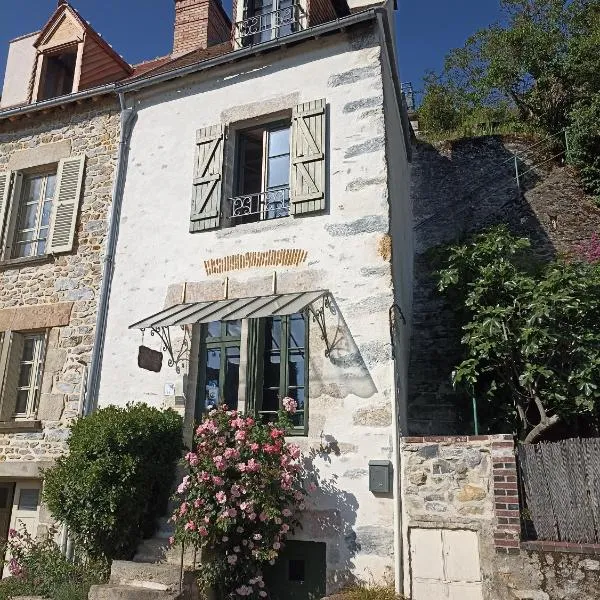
column 252, row 516
column 285, row 528
column 240, row 435
column 294, row 450
column 263, row 516
column 276, row 433
column 289, row 405
column 286, row 512
column 232, row 512
column 312, row 487
column 190, row 526
column 203, row 531
column 241, row 467
column 232, row 559
column 253, row 465
column 192, row 459
column 254, row 447
column 221, row 497
column 171, row 540
column 276, row 546
column 218, row 480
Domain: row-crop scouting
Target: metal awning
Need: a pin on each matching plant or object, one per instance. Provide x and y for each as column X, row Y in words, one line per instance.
column 189, row 313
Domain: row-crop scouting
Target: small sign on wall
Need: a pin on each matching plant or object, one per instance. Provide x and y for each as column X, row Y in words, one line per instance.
column 149, row 359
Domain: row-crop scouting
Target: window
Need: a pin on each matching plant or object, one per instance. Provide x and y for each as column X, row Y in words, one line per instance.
column 278, row 169
column 268, row 19
column 21, row 359
column 220, row 376
column 39, row 208
column 33, row 220
column 58, row 75
column 273, row 352
column 263, row 174
column 29, row 499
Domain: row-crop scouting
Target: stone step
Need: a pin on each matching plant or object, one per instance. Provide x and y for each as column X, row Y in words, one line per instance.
column 127, row 592
column 159, row 576
column 157, row 550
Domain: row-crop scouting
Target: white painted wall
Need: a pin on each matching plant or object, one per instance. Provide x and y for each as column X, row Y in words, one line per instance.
column 351, row 404
column 19, row 68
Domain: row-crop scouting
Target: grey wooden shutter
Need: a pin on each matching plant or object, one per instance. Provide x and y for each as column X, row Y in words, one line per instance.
column 69, row 181
column 208, row 176
column 307, row 184
column 4, row 199
column 11, row 353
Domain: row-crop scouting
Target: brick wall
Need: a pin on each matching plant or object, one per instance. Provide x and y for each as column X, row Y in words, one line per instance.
column 199, row 24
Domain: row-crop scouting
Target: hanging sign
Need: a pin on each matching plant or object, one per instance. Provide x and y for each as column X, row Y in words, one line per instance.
column 149, row 359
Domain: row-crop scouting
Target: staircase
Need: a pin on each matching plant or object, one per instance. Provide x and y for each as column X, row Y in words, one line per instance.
column 155, row 573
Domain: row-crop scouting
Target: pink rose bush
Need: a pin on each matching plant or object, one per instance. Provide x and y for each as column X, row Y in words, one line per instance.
column 241, row 498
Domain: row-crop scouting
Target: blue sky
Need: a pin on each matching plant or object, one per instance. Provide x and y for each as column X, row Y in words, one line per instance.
column 142, row 29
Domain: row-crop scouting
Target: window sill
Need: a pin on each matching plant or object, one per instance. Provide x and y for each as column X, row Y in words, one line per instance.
column 20, row 426
column 26, row 262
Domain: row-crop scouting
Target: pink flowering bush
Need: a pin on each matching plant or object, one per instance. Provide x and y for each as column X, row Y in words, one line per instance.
column 240, row 499
column 589, row 250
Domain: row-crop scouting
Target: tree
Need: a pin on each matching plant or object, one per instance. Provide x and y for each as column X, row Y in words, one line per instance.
column 531, row 336
column 441, row 107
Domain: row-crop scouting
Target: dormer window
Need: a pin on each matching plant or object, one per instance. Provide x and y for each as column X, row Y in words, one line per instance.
column 58, row 74
column 265, row 20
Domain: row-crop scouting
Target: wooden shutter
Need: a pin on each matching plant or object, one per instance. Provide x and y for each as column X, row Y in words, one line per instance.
column 10, row 362
column 208, row 175
column 307, row 185
column 4, row 200
column 69, row 181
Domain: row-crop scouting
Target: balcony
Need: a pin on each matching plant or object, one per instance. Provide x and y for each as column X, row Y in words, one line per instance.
column 270, row 25
column 272, row 204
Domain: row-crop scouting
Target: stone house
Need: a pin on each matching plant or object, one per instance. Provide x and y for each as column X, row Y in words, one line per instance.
column 59, row 139
column 265, row 248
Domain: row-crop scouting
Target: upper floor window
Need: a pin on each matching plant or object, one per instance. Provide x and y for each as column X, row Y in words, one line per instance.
column 265, row 20
column 263, row 182
column 58, row 74
column 277, row 169
column 38, row 209
column 21, row 360
column 33, row 220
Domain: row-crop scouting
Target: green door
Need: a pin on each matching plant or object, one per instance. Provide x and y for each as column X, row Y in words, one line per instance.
column 299, row 573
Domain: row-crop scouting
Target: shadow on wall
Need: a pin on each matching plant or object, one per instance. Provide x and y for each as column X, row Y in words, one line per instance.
column 344, row 370
column 333, row 521
column 459, row 188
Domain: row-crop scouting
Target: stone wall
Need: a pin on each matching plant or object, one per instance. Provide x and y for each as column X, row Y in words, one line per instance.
column 457, row 188
column 69, row 280
column 468, row 483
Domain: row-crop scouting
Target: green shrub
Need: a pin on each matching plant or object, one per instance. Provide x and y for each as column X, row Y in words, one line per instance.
column 584, row 144
column 116, row 479
column 38, row 568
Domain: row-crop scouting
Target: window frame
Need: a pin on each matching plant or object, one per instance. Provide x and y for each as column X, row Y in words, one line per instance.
column 18, row 209
column 37, row 362
column 258, row 384
column 268, row 126
column 74, row 47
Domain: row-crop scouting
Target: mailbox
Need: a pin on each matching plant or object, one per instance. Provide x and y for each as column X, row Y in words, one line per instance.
column 380, row 476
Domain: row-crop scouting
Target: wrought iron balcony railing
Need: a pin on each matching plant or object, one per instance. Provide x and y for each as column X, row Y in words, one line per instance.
column 263, row 27
column 271, row 204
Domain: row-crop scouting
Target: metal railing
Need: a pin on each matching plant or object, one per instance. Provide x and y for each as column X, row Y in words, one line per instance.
column 272, row 204
column 267, row 26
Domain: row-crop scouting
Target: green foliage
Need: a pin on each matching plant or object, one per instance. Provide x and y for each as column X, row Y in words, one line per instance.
column 115, row 480
column 441, row 108
column 584, row 143
column 38, row 568
column 531, row 337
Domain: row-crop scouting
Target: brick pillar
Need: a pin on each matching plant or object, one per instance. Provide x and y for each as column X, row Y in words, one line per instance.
column 198, row 25
column 507, row 532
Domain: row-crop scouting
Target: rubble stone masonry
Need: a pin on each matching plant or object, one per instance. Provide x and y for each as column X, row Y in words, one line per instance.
column 60, row 293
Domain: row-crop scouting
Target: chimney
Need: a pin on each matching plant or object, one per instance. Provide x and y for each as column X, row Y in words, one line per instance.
column 198, row 25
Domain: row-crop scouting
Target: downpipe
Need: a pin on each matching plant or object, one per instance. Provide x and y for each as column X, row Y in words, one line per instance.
column 127, row 120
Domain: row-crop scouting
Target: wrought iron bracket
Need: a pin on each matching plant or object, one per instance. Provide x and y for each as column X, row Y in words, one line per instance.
column 318, row 316
column 176, row 358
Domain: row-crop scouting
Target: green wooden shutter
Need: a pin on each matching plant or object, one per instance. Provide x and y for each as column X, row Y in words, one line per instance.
column 4, row 200
column 208, row 176
column 11, row 353
column 69, row 181
column 307, row 185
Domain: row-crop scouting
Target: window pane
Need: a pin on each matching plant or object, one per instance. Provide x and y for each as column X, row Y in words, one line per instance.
column 270, row 401
column 41, row 247
column 279, row 171
column 273, row 333
column 297, row 331
column 234, row 328
column 272, row 370
column 213, row 367
column 33, row 189
column 279, row 142
column 21, row 406
column 25, row 375
column 4, row 496
column 213, row 329
column 28, row 348
column 28, row 216
column 29, row 499
column 50, row 186
column 296, row 368
column 298, row 396
column 46, row 212
column 232, row 376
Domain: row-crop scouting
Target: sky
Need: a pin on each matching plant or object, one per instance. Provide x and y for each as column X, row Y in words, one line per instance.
column 142, row 29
